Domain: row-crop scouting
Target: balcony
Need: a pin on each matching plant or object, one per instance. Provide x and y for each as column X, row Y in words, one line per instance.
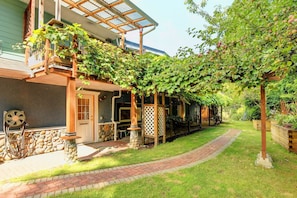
column 53, row 63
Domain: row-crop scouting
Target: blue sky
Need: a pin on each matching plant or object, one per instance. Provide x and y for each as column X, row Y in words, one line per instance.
column 174, row 20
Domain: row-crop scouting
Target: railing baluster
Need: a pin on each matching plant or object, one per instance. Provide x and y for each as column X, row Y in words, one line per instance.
column 46, row 55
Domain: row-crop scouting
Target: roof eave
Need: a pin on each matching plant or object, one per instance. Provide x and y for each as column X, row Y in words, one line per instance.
column 142, row 13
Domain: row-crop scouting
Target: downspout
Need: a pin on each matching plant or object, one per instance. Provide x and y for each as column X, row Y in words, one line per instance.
column 58, row 10
column 112, row 114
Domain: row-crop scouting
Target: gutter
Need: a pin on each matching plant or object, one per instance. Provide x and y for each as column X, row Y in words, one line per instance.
column 153, row 28
column 112, row 114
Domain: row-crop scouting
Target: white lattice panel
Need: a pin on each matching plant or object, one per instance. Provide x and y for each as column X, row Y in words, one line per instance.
column 161, row 121
column 149, row 120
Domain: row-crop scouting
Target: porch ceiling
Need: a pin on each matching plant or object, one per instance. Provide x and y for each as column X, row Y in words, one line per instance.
column 102, row 18
column 61, row 80
column 119, row 16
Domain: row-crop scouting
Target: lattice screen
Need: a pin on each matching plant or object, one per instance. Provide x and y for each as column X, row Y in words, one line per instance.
column 161, row 120
column 149, row 120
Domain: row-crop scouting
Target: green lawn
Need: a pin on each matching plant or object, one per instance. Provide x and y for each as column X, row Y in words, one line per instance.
column 231, row 174
column 131, row 156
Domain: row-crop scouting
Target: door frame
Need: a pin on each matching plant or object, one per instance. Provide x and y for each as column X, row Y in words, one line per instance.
column 95, row 110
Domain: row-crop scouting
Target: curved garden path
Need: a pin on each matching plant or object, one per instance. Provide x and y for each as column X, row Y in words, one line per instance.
column 101, row 178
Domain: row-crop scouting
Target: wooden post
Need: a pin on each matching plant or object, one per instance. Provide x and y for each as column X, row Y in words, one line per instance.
column 133, row 112
column 41, row 13
column 32, row 17
column 31, row 27
column 122, row 44
column 170, row 114
column 134, row 129
column 200, row 115
column 208, row 116
column 142, row 119
column 163, row 103
column 263, row 120
column 70, row 105
column 74, row 57
column 71, row 94
column 140, row 41
column 46, row 55
column 156, row 127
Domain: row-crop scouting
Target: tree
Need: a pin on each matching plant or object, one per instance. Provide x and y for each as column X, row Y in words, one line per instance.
column 250, row 43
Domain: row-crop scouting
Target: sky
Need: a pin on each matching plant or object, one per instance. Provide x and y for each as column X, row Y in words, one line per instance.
column 174, row 19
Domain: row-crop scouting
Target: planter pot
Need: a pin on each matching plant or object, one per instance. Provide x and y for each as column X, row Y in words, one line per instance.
column 286, row 137
column 257, row 125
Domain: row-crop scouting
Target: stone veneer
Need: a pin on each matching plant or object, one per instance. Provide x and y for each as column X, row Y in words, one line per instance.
column 70, row 151
column 37, row 141
column 135, row 139
column 105, row 131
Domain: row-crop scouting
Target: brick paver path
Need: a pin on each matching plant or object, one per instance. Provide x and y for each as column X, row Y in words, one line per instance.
column 101, row 178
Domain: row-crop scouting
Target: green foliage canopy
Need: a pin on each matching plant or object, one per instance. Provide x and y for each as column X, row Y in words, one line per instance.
column 250, row 41
column 142, row 74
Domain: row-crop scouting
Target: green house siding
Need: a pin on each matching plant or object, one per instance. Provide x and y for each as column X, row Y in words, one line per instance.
column 11, row 23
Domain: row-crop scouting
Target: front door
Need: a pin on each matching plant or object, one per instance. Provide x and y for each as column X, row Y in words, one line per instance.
column 85, row 118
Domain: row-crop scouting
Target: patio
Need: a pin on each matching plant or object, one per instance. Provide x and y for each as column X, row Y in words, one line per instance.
column 20, row 167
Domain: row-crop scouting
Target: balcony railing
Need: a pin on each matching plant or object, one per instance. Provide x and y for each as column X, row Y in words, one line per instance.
column 45, row 57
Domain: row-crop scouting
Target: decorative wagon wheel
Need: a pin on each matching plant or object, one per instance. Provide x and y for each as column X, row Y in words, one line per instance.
column 14, row 141
column 15, row 118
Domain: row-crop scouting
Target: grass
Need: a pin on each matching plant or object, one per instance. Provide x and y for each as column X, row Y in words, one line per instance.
column 131, row 156
column 230, row 174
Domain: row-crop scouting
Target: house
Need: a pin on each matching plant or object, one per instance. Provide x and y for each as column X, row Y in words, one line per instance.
column 49, row 97
column 43, row 90
column 211, row 115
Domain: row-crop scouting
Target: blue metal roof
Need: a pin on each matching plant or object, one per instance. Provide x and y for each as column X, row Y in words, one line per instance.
column 133, row 45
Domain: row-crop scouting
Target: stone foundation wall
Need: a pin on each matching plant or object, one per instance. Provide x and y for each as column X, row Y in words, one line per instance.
column 105, row 132
column 36, row 141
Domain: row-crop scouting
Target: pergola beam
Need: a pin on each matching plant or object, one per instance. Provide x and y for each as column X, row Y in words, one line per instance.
column 93, row 15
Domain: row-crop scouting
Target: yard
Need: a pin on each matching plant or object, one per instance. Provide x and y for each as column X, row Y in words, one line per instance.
column 231, row 174
column 250, row 45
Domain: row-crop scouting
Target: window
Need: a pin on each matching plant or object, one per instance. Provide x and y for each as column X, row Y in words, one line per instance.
column 83, row 109
column 124, row 114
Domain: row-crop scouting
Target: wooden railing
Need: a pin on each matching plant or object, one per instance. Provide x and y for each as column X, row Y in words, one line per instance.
column 45, row 58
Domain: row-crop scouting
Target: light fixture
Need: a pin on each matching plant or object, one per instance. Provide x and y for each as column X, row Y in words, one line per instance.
column 102, row 98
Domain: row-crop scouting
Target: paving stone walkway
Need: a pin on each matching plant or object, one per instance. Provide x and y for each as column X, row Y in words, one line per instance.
column 102, row 178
